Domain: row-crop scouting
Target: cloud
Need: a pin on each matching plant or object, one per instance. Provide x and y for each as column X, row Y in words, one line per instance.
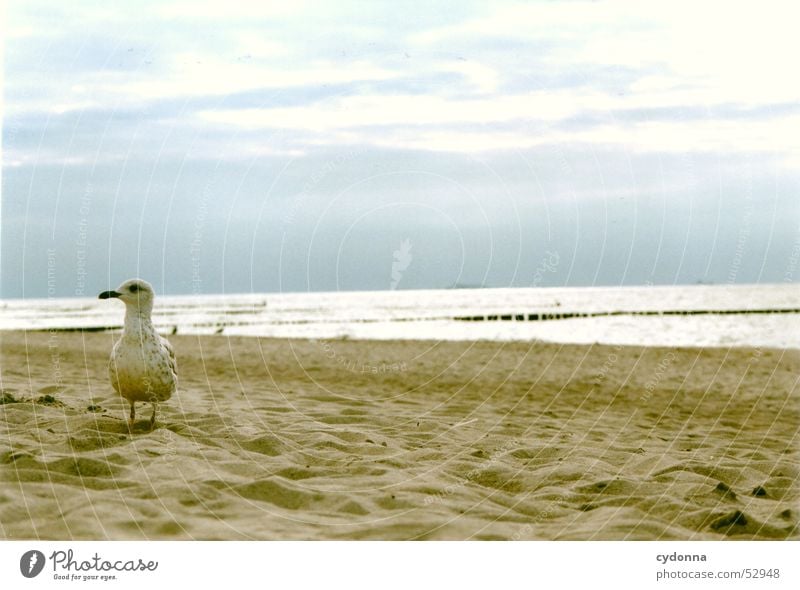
column 217, row 11
column 484, row 78
column 400, row 110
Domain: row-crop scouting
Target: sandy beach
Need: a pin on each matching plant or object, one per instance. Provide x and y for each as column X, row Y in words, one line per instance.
column 298, row 439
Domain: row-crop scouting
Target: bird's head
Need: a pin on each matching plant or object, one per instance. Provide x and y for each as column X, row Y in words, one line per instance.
column 135, row 293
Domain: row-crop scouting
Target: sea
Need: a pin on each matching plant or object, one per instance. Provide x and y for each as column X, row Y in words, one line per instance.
column 764, row 315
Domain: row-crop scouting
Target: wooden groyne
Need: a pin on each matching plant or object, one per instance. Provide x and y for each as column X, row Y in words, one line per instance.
column 547, row 316
column 218, row 327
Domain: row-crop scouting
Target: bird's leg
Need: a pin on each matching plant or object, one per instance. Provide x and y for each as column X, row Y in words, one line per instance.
column 153, row 417
column 133, row 416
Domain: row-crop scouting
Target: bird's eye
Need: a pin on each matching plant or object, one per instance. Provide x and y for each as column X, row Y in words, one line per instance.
column 134, row 288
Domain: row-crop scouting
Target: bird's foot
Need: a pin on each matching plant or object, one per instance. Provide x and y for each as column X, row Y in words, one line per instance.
column 132, row 417
column 153, row 417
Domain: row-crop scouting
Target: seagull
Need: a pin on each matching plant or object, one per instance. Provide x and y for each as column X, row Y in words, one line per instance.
column 143, row 366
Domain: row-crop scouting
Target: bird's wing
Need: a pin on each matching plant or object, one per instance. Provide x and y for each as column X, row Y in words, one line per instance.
column 173, row 363
column 112, row 368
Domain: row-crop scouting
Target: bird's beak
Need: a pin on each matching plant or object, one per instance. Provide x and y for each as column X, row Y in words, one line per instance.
column 109, row 295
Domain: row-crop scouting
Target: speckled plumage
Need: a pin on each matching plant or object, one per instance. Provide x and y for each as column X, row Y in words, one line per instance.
column 142, row 366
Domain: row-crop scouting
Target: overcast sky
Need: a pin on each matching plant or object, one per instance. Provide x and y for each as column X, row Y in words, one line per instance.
column 293, row 146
